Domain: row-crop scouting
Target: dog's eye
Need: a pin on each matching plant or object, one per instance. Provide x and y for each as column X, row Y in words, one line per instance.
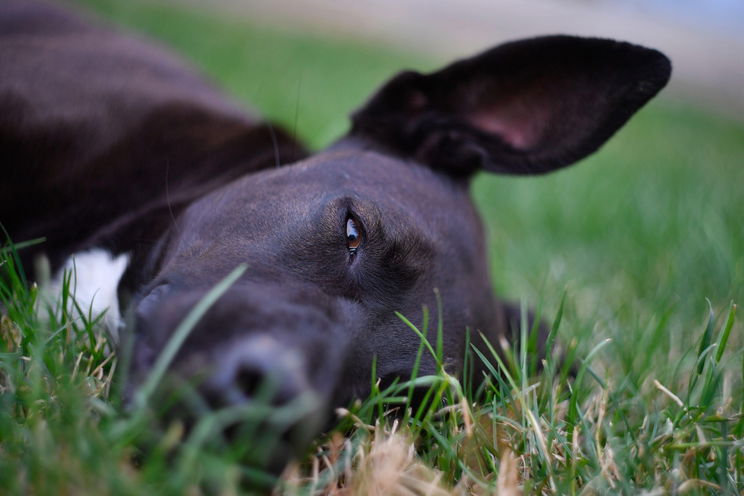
column 353, row 236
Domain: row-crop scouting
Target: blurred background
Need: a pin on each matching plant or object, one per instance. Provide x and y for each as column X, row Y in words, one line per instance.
column 638, row 236
column 704, row 38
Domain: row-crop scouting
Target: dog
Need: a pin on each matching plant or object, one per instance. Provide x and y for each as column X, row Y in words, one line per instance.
column 157, row 186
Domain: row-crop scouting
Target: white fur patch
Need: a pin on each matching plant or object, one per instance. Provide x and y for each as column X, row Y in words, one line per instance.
column 95, row 276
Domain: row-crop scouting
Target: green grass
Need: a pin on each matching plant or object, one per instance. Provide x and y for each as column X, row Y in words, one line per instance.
column 643, row 243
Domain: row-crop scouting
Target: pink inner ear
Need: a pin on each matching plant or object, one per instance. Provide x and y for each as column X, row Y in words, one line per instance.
column 521, row 126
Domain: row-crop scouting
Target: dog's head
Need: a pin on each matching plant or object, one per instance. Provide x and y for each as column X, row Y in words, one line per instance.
column 379, row 223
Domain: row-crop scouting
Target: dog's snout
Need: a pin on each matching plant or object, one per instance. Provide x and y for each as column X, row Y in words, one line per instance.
column 257, row 369
column 263, row 360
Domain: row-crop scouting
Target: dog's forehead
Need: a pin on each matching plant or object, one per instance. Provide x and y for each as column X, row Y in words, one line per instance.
column 265, row 206
column 372, row 175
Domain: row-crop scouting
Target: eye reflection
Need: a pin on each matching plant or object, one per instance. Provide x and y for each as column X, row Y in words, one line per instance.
column 353, row 237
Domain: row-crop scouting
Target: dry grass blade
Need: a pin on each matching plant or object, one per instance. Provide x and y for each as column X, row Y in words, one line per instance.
column 390, row 467
column 508, row 482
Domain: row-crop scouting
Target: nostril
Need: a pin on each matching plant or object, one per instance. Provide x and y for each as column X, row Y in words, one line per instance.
column 249, row 380
column 275, row 385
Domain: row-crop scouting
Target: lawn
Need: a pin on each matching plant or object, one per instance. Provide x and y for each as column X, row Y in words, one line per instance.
column 636, row 254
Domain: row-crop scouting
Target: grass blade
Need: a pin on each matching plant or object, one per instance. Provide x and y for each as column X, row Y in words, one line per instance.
column 181, row 333
column 726, row 331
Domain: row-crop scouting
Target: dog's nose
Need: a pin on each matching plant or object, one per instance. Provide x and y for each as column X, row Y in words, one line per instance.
column 257, row 369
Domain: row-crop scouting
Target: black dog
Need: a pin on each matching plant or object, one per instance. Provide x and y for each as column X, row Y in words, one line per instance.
column 112, row 145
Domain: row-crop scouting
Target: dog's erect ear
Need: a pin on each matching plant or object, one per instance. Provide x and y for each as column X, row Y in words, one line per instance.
column 526, row 107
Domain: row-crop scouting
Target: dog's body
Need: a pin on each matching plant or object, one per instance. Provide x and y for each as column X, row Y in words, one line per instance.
column 108, row 143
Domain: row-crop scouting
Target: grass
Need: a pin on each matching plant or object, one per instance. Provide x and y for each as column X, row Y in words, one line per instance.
column 635, row 255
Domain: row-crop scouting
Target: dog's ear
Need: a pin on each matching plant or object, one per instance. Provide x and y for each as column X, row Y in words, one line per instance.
column 526, row 107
